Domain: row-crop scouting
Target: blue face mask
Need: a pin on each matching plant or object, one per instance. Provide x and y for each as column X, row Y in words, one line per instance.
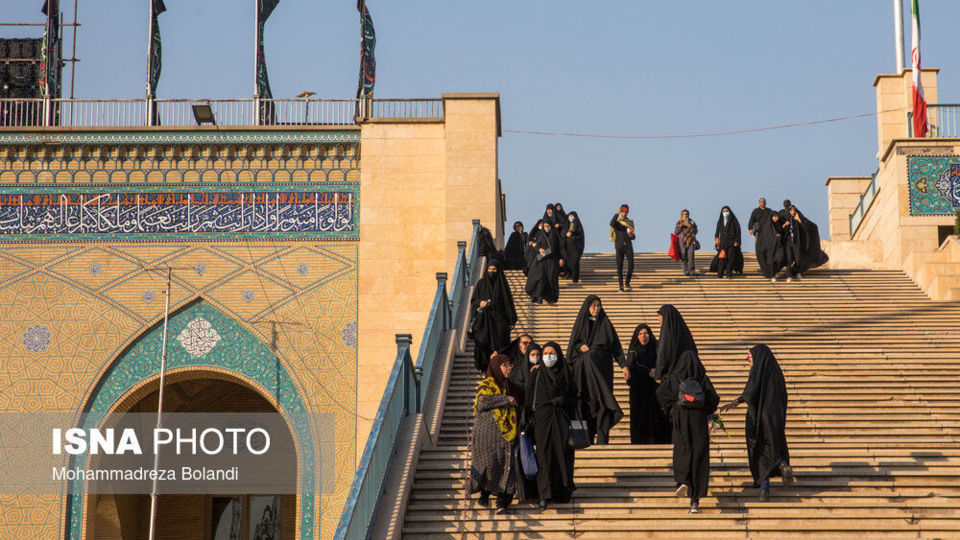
column 726, row 214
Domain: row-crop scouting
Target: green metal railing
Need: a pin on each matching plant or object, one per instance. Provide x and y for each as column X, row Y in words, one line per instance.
column 866, row 199
column 403, row 395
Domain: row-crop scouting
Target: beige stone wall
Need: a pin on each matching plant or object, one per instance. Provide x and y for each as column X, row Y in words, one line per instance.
column 421, row 186
column 894, row 101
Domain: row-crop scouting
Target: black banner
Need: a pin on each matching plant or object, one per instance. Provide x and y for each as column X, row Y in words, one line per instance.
column 368, row 64
column 264, row 9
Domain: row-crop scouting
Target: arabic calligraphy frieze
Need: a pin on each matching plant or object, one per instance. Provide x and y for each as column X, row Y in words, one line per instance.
column 184, row 212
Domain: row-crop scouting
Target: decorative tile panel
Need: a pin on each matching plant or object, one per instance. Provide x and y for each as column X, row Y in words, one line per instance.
column 934, row 185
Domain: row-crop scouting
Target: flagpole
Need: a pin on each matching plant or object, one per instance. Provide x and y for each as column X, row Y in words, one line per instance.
column 149, row 63
column 256, row 61
column 163, row 370
column 898, row 33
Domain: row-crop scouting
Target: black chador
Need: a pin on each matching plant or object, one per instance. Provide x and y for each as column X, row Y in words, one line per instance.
column 530, row 248
column 727, row 236
column 691, row 436
column 573, row 245
column 810, row 254
column 550, row 394
column 517, row 352
column 770, row 254
column 543, row 277
column 514, row 252
column 490, row 327
column 758, row 219
column 593, row 368
column 648, row 424
column 675, row 339
column 553, row 217
column 766, row 397
column 520, row 376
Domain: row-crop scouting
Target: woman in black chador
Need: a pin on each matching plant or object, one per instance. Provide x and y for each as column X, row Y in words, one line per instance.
column 573, row 244
column 592, row 348
column 648, row 424
column 526, row 487
column 766, row 397
column 514, row 252
column 543, row 277
column 675, row 339
column 769, row 248
column 493, row 315
column 727, row 239
column 691, row 436
column 530, row 248
column 550, row 394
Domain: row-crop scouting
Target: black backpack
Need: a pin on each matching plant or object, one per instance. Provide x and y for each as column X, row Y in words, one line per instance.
column 691, row 394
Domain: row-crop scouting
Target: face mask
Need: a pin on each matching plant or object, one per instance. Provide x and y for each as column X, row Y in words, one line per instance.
column 549, row 360
column 547, row 229
column 571, row 219
column 726, row 214
column 533, row 359
column 592, row 318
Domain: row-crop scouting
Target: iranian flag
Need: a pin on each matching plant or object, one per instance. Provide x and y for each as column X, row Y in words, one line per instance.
column 919, row 102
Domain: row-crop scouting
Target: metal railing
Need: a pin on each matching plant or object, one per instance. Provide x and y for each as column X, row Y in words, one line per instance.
column 866, row 199
column 360, row 510
column 943, row 121
column 227, row 112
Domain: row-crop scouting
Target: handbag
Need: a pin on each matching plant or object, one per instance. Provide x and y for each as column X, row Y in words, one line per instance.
column 674, row 251
column 528, row 459
column 578, row 437
column 546, row 253
column 691, row 394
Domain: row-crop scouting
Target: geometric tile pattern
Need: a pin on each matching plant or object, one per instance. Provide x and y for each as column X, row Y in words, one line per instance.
column 934, row 185
column 234, row 349
column 98, row 300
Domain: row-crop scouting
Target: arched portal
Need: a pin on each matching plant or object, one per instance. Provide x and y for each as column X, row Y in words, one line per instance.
column 206, row 350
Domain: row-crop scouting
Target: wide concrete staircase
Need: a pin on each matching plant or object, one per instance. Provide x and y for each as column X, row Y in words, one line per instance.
column 873, row 370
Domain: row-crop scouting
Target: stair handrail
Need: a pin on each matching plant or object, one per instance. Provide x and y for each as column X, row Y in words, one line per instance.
column 366, row 491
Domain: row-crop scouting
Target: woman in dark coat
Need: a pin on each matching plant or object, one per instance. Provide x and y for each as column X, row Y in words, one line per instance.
column 573, row 245
column 727, row 239
column 675, row 339
column 591, row 351
column 648, row 424
column 514, row 252
column 543, row 277
column 557, row 219
column 550, row 393
column 691, row 436
column 495, row 431
column 766, row 424
column 518, row 351
column 493, row 315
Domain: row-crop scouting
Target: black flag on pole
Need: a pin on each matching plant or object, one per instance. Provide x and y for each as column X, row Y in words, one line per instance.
column 155, row 58
column 264, row 9
column 156, row 8
column 50, row 56
column 368, row 64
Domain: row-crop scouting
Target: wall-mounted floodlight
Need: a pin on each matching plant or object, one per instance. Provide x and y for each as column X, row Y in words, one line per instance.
column 203, row 114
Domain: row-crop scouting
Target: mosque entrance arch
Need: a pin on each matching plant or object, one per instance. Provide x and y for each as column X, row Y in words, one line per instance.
column 214, row 365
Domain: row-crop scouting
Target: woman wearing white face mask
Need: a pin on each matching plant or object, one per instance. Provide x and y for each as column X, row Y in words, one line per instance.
column 550, row 395
column 727, row 240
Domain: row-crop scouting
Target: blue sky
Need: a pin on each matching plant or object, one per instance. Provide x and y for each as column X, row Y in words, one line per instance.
column 599, row 67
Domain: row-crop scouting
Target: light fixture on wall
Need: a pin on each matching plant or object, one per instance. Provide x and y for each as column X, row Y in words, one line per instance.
column 203, row 114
